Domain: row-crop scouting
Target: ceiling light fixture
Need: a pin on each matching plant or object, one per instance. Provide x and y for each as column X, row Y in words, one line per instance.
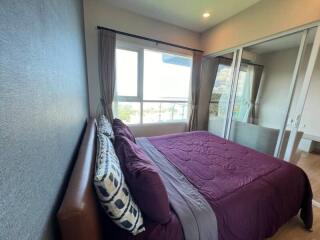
column 206, row 15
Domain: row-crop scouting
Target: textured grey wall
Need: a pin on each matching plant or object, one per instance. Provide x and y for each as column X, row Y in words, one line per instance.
column 43, row 108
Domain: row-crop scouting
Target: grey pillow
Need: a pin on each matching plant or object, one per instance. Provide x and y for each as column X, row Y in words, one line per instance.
column 105, row 127
column 112, row 191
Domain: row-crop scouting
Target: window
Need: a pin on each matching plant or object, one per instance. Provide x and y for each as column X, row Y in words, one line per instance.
column 151, row 86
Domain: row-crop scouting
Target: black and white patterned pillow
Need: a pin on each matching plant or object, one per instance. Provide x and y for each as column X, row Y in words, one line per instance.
column 105, row 127
column 112, row 191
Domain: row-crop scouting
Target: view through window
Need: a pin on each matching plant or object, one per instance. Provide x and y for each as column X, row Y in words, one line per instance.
column 151, row 86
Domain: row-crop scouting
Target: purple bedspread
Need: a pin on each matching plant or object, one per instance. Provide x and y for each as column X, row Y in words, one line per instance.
column 252, row 194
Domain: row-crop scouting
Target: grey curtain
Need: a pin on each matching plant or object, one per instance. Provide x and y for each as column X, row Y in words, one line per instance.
column 209, row 72
column 107, row 43
column 258, row 70
column 195, row 90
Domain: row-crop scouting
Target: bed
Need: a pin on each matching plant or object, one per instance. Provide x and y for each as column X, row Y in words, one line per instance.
column 251, row 194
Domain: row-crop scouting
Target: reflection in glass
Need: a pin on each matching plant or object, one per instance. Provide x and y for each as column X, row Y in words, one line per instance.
column 247, row 91
column 263, row 88
column 218, row 106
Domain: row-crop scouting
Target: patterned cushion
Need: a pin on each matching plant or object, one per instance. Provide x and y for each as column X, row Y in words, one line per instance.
column 112, row 190
column 105, row 127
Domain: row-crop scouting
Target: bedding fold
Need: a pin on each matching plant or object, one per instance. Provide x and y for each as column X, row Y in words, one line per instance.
column 195, row 214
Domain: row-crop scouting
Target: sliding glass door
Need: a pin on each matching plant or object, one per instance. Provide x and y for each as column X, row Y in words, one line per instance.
column 262, row 91
column 304, row 142
column 255, row 91
column 311, row 58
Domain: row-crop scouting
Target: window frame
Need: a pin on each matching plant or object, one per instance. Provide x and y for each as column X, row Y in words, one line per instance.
column 122, row 45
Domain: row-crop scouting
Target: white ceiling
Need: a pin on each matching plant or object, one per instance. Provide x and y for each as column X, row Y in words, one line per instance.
column 185, row 13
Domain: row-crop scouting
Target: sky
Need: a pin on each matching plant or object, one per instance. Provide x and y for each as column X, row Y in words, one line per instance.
column 161, row 81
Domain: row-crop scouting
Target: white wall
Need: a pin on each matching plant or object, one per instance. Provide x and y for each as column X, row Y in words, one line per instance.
column 157, row 129
column 97, row 12
column 275, row 88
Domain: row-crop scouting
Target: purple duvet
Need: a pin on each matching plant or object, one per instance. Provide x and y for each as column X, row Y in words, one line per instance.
column 252, row 194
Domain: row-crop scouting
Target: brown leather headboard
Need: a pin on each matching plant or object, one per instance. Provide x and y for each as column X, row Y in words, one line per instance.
column 79, row 216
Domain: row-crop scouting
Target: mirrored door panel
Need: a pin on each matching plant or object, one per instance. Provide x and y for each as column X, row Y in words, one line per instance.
column 219, row 101
column 260, row 105
column 303, row 147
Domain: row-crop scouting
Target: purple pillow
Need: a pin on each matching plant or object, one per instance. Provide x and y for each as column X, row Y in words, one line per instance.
column 144, row 181
column 121, row 129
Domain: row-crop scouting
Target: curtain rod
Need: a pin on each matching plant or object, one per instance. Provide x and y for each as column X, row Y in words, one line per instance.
column 149, row 39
